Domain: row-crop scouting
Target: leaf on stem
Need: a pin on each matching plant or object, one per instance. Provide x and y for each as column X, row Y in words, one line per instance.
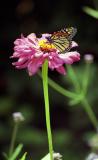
column 24, row 156
column 91, row 12
column 16, row 152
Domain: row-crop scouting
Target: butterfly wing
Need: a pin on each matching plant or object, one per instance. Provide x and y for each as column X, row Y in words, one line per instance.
column 71, row 32
column 62, row 44
column 62, row 39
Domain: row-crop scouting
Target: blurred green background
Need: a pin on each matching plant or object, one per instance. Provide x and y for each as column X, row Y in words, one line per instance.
column 21, row 93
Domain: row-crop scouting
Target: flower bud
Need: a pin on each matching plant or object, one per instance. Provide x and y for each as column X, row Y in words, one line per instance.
column 92, row 156
column 18, row 117
column 88, row 58
column 57, row 156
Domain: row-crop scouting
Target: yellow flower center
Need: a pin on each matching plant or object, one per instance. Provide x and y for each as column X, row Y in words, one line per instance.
column 45, row 45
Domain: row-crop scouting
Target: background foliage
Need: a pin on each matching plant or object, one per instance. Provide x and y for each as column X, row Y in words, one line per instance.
column 19, row 92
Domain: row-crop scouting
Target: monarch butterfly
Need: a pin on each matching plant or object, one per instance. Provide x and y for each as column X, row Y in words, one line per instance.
column 62, row 39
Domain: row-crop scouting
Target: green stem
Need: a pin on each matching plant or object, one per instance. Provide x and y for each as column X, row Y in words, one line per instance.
column 15, row 129
column 47, row 111
column 90, row 113
column 60, row 89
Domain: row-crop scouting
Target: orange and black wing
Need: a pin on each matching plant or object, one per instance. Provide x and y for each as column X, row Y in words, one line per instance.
column 62, row 39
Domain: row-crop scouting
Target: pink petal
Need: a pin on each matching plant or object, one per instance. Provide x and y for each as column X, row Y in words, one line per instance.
column 54, row 60
column 34, row 65
column 61, row 70
column 74, row 44
column 70, row 57
column 33, row 39
column 45, row 35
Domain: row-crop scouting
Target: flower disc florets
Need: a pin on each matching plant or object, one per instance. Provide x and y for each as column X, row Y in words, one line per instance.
column 46, row 46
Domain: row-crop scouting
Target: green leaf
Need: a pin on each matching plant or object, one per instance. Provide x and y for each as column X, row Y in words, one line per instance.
column 16, row 152
column 47, row 157
column 91, row 12
column 24, row 156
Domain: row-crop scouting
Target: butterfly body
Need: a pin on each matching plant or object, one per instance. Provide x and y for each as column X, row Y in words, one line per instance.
column 62, row 39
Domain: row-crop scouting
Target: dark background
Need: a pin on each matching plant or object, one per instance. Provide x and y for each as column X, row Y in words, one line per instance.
column 19, row 92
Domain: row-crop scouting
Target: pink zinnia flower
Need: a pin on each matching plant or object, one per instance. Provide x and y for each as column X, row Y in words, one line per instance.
column 31, row 53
